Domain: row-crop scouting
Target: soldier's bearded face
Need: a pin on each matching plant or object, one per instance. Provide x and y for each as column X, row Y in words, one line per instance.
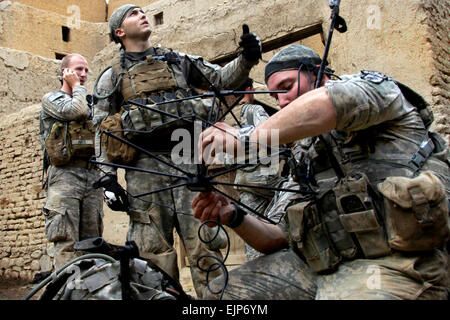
column 288, row 80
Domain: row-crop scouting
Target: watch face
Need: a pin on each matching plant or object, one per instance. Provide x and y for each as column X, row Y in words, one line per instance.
column 246, row 130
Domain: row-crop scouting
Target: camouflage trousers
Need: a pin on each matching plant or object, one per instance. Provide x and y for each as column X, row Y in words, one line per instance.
column 73, row 210
column 284, row 276
column 154, row 217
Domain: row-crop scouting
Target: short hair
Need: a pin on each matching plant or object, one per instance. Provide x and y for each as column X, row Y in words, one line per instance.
column 246, row 84
column 65, row 62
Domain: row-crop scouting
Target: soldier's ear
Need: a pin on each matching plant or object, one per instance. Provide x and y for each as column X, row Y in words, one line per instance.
column 119, row 32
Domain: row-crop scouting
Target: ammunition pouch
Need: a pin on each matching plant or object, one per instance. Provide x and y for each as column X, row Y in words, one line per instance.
column 416, row 212
column 117, row 151
column 342, row 224
column 68, row 140
column 309, row 234
column 156, row 118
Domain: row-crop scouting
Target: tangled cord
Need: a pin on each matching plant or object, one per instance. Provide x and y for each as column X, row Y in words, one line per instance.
column 220, row 263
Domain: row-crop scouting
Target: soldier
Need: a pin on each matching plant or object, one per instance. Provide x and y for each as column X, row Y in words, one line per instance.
column 250, row 114
column 73, row 209
column 377, row 225
column 155, row 74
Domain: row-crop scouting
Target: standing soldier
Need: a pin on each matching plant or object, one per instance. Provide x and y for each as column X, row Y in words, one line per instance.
column 73, row 210
column 155, row 74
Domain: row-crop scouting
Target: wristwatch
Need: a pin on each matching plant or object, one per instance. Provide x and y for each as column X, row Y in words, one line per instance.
column 237, row 216
column 244, row 136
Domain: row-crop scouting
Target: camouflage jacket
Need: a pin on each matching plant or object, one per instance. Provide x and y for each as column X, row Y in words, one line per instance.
column 377, row 133
column 62, row 106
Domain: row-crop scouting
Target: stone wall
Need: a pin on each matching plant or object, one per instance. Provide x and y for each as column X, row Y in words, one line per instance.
column 41, row 32
column 23, row 247
column 88, row 10
column 114, row 4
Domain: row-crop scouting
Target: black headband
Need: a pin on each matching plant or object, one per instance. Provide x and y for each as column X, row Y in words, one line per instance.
column 272, row 67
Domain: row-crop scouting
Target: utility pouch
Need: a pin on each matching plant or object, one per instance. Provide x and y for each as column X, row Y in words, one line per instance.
column 295, row 214
column 117, row 151
column 184, row 107
column 316, row 246
column 201, row 107
column 135, row 118
column 58, row 144
column 358, row 215
column 416, row 212
column 171, row 107
column 82, row 139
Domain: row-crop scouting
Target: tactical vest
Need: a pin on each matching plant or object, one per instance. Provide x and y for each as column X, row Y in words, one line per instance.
column 144, row 79
column 378, row 207
column 153, row 83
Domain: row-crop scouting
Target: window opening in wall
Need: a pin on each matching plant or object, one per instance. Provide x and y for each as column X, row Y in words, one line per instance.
column 159, row 18
column 65, row 33
column 59, row 56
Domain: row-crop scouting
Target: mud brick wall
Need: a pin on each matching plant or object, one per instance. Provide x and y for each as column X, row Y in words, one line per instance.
column 90, row 10
column 438, row 13
column 24, row 79
column 23, row 246
column 42, row 32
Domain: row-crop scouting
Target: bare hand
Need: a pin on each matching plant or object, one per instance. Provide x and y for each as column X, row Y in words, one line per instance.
column 71, row 78
column 212, row 206
column 216, row 139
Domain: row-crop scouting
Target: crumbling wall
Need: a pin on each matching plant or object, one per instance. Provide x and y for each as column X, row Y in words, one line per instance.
column 23, row 246
column 438, row 14
column 387, row 36
column 41, row 32
column 88, row 10
column 24, row 79
column 114, row 4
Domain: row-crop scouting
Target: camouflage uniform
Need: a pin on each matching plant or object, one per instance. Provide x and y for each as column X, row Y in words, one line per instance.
column 257, row 199
column 153, row 218
column 73, row 209
column 377, row 133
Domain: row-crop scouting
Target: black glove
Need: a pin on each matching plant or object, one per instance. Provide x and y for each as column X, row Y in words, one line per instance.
column 250, row 44
column 115, row 196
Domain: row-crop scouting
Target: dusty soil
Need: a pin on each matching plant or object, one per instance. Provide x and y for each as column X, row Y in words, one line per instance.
column 14, row 289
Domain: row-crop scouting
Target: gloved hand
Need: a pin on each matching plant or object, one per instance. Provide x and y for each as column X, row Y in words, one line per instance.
column 251, row 45
column 115, row 196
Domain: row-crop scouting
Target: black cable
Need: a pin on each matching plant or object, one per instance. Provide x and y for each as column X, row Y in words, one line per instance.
column 219, row 263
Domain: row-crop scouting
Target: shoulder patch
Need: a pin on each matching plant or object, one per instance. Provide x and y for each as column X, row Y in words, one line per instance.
column 374, row 76
column 55, row 96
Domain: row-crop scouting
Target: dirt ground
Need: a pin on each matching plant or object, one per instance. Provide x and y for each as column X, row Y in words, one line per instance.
column 14, row 289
